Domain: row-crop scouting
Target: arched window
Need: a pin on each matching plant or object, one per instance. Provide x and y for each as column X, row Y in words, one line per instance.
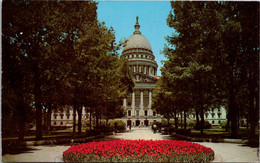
column 55, row 123
column 61, row 123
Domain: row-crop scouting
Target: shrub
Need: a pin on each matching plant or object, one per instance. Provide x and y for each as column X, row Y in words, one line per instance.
column 183, row 132
column 207, row 125
column 139, row 151
column 165, row 123
column 223, row 124
column 119, row 124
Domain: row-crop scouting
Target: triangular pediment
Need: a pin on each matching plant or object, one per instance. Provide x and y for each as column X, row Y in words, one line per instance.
column 140, row 77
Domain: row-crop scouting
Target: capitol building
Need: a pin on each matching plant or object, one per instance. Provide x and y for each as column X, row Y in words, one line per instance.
column 138, row 52
column 138, row 104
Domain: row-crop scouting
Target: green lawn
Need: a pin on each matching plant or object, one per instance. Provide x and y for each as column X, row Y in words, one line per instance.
column 54, row 134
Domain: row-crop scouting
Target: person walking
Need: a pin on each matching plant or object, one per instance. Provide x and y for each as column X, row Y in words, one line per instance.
column 154, row 128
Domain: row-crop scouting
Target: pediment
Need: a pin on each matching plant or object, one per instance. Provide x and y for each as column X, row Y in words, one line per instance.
column 139, row 77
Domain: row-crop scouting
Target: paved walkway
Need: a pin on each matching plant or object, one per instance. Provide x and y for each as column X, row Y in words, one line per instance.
column 225, row 152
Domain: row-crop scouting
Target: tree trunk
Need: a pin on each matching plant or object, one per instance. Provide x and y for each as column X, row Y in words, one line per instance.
column 185, row 120
column 181, row 120
column 197, row 119
column 38, row 115
column 74, row 118
column 201, row 120
column 38, row 106
column 175, row 119
column 79, row 118
column 168, row 121
column 90, row 117
column 253, row 116
column 45, row 119
column 233, row 113
column 97, row 120
column 49, row 119
column 22, row 117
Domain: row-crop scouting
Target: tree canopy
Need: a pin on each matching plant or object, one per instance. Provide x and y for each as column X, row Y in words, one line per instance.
column 57, row 53
column 210, row 57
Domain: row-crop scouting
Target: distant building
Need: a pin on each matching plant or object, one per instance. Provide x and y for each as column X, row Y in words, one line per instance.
column 63, row 117
column 216, row 116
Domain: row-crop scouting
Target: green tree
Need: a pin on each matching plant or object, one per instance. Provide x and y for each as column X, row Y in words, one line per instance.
column 211, row 48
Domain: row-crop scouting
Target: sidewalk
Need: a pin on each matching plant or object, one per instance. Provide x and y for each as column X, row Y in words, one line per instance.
column 225, row 152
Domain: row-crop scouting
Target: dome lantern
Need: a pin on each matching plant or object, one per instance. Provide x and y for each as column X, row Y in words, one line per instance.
column 137, row 26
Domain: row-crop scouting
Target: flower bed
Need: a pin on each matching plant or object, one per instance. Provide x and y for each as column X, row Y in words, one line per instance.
column 139, row 151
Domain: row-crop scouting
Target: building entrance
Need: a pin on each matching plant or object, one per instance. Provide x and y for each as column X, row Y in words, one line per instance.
column 146, row 122
column 129, row 122
column 137, row 122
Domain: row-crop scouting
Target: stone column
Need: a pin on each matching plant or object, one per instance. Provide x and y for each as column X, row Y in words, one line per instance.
column 141, row 101
column 124, row 103
column 133, row 103
column 150, row 98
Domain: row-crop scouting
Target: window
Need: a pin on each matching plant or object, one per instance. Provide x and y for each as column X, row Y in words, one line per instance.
column 145, row 113
column 61, row 123
column 55, row 116
column 206, row 115
column 219, row 122
column 54, row 123
column 219, row 114
column 218, row 109
column 213, row 122
column 68, row 116
column 129, row 112
column 213, row 115
column 154, row 113
column 61, row 116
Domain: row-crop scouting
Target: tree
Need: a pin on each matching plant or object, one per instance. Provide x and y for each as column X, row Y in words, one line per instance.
column 209, row 47
column 62, row 56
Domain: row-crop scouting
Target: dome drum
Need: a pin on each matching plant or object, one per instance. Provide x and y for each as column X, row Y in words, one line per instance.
column 144, row 63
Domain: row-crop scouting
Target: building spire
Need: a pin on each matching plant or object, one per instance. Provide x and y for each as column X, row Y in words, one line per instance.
column 137, row 26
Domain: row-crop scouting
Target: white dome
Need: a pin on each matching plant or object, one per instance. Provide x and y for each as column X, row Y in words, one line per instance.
column 137, row 41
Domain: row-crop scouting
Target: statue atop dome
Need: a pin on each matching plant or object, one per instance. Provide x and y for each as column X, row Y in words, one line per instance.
column 137, row 26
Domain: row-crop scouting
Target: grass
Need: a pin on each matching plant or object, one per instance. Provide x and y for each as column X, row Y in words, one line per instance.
column 211, row 131
column 54, row 134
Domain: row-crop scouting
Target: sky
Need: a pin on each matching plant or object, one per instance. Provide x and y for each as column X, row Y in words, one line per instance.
column 121, row 15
